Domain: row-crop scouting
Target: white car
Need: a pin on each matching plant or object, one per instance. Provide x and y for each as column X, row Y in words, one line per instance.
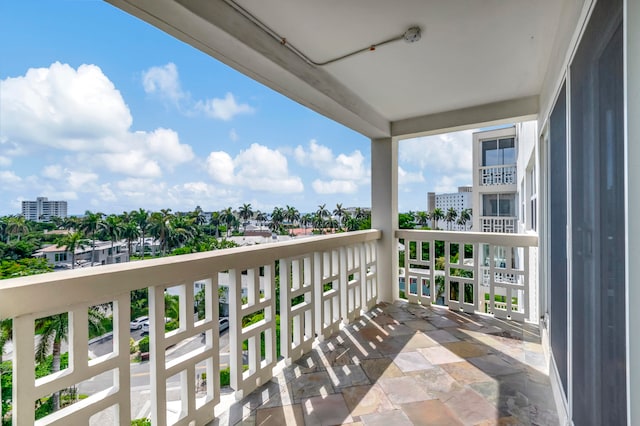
column 145, row 327
column 223, row 324
column 136, row 324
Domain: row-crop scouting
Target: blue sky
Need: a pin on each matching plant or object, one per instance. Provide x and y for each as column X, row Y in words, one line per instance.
column 111, row 114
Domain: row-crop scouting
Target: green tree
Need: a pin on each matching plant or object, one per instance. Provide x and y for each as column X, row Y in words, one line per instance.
column 261, row 217
column 450, row 217
column 277, row 216
column 16, row 226
column 436, row 215
column 160, row 228
column 422, row 218
column 90, row 224
column 245, row 212
column 405, row 221
column 131, row 233
column 6, row 334
column 112, row 228
column 339, row 212
column 53, row 331
column 291, row 214
column 215, row 221
column 227, row 218
column 465, row 217
column 71, row 243
column 141, row 218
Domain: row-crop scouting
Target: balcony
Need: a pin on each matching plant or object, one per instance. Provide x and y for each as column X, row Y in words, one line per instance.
column 331, row 336
column 504, row 224
column 497, row 175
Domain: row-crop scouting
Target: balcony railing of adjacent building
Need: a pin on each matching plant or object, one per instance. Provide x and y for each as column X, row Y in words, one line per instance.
column 504, row 224
column 498, row 175
column 322, row 283
column 470, row 272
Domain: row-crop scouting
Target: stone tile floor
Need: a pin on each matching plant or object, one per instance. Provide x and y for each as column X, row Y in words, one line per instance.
column 405, row 364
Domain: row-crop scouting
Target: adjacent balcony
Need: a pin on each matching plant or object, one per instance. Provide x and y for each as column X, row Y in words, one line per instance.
column 498, row 175
column 461, row 346
column 504, row 224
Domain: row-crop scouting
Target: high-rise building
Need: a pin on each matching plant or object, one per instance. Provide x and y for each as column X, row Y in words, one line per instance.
column 459, row 201
column 42, row 210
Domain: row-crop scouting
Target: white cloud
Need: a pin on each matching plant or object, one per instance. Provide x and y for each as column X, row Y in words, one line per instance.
column 164, row 145
column 61, row 107
column 258, row 168
column 9, row 177
column 223, row 109
column 334, row 187
column 405, row 177
column 344, row 172
column 53, row 171
column 163, row 81
column 447, row 153
column 220, row 167
column 105, row 193
column 82, row 111
column 5, row 161
column 80, row 180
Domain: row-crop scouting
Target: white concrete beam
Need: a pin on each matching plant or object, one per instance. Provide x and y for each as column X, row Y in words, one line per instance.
column 505, row 112
column 220, row 31
column 384, row 213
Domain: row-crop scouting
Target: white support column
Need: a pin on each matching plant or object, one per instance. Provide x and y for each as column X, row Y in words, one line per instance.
column 632, row 173
column 384, row 213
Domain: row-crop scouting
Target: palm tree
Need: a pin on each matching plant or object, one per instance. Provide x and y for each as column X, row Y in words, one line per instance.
column 465, row 216
column 261, row 217
column 422, row 218
column 436, row 215
column 318, row 222
column 277, row 216
column 130, row 232
column 352, row 223
column 306, row 220
column 322, row 213
column 198, row 216
column 141, row 218
column 451, row 216
column 71, row 243
column 55, row 329
column 112, row 227
column 160, row 227
column 90, row 224
column 215, row 221
column 4, row 235
column 245, row 212
column 291, row 214
column 16, row 225
column 227, row 217
column 339, row 213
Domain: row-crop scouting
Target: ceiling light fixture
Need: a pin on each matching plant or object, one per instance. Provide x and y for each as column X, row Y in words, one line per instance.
column 412, row 35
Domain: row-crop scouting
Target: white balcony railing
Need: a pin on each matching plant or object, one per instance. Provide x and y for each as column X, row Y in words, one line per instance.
column 322, row 281
column 470, row 271
column 505, row 224
column 497, row 175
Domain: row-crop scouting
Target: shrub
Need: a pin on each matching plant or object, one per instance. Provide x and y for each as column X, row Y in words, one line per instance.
column 143, row 344
column 141, row 422
column 133, row 348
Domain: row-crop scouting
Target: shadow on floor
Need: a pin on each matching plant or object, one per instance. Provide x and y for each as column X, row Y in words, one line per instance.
column 405, row 364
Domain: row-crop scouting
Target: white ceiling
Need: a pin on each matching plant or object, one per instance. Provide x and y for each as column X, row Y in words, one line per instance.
column 472, row 52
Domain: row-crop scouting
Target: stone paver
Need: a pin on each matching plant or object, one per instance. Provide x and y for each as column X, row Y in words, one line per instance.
column 403, row 364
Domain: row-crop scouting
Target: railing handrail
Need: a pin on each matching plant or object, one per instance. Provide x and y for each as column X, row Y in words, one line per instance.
column 499, row 166
column 495, row 238
column 103, row 283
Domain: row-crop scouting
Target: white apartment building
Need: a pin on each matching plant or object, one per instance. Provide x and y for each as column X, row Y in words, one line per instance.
column 42, row 210
column 104, row 253
column 459, row 201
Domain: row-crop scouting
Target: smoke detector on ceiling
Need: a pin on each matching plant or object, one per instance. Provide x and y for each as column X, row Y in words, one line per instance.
column 412, row 35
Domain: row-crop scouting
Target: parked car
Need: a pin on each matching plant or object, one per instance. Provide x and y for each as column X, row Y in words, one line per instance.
column 136, row 324
column 145, row 327
column 223, row 324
